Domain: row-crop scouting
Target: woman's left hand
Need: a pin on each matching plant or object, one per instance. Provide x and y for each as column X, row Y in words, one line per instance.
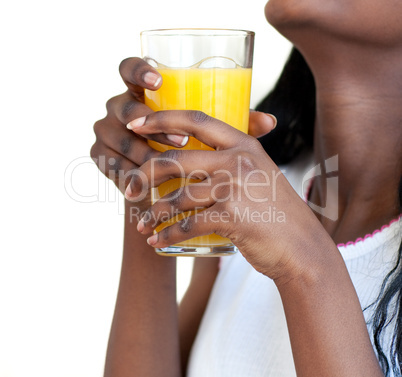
column 244, row 195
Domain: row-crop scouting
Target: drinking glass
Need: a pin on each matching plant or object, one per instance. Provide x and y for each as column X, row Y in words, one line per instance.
column 207, row 70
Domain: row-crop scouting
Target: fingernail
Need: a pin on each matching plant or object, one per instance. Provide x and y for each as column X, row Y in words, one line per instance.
column 136, row 123
column 273, row 117
column 152, row 240
column 152, row 79
column 140, row 226
column 178, row 139
column 128, row 193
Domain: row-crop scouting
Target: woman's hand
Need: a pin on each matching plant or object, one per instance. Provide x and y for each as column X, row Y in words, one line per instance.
column 118, row 152
column 243, row 193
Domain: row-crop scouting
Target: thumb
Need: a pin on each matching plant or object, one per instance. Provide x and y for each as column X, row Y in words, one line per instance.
column 260, row 123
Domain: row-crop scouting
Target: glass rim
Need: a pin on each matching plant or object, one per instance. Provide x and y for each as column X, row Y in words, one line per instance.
column 198, row 32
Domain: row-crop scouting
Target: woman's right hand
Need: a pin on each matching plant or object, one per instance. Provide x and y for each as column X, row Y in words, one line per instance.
column 118, row 152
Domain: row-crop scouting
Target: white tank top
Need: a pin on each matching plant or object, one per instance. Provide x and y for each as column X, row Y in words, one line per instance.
column 243, row 332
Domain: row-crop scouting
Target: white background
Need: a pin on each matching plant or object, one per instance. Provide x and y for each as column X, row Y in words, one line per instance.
column 59, row 257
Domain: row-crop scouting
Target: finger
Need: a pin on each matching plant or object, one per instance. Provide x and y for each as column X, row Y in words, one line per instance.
column 113, row 165
column 175, row 163
column 260, row 123
column 206, row 129
column 125, row 108
column 200, row 224
column 137, row 75
column 116, row 137
column 191, row 197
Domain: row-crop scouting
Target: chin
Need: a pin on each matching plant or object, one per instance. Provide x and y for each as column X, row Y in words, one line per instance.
column 283, row 14
column 359, row 21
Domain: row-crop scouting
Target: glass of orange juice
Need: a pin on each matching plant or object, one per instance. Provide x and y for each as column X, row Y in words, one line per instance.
column 207, row 70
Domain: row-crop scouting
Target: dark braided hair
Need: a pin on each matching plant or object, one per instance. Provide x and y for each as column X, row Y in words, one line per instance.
column 292, row 101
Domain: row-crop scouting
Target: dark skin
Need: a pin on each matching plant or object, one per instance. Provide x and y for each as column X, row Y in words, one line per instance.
column 358, row 104
column 144, row 297
column 166, row 334
column 358, row 118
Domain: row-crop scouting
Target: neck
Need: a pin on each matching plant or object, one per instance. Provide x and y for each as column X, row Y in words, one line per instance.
column 359, row 119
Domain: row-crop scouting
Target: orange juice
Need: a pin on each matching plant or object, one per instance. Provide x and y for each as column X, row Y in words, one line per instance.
column 223, row 93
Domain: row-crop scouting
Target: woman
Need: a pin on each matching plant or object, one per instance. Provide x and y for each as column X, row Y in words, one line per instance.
column 354, row 51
